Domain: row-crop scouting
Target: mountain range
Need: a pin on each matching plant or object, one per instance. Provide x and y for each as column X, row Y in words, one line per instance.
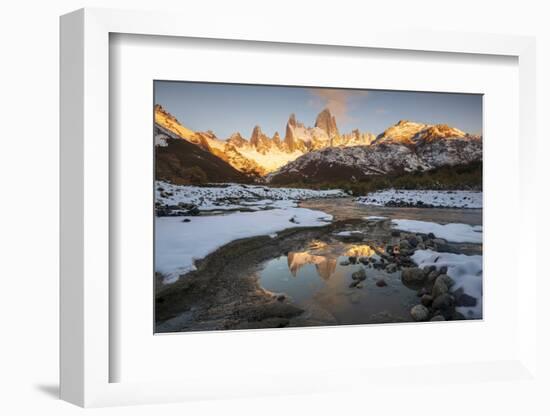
column 315, row 154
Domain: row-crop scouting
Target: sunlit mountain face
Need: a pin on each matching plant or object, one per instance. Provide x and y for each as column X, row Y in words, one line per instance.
column 323, row 153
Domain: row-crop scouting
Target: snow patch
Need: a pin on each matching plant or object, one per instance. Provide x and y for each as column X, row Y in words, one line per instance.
column 447, row 199
column 235, row 196
column 455, row 233
column 178, row 244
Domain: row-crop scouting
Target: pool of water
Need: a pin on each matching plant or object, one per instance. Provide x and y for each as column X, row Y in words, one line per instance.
column 318, row 279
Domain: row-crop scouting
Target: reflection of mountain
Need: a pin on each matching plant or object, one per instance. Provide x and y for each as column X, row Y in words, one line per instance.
column 325, row 265
column 361, row 250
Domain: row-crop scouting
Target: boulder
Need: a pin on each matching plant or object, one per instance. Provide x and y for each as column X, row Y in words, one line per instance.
column 441, row 285
column 444, row 304
column 413, row 276
column 420, row 313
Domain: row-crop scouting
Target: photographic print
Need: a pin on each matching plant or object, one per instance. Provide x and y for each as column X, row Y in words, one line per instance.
column 289, row 206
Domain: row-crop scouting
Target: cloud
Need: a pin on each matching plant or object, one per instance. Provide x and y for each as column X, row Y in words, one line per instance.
column 339, row 102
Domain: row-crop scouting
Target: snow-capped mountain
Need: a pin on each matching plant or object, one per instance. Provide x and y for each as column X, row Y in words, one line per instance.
column 322, row 153
column 404, row 147
column 262, row 154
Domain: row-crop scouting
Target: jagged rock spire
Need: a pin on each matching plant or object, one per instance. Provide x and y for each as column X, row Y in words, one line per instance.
column 327, row 122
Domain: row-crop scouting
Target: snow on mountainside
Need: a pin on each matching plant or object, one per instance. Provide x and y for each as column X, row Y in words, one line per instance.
column 404, row 147
column 322, row 153
column 262, row 154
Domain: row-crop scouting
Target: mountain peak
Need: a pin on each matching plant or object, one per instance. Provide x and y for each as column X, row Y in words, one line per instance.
column 292, row 120
column 327, row 122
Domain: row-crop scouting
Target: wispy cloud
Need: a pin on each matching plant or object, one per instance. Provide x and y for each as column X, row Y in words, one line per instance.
column 339, row 102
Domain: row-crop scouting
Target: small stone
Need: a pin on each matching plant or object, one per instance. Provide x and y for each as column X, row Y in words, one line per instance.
column 186, row 220
column 431, row 236
column 344, row 263
column 359, row 275
column 359, row 285
column 364, row 260
column 438, row 318
column 419, row 313
column 381, row 283
column 396, row 233
column 281, row 298
column 352, row 259
column 391, row 268
column 443, row 270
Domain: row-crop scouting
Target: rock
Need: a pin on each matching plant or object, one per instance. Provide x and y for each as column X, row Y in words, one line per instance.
column 381, row 283
column 419, row 313
column 194, row 211
column 354, row 283
column 439, row 241
column 422, row 291
column 431, row 236
column 281, row 298
column 465, row 300
column 359, row 285
column 404, row 245
column 186, row 220
column 438, row 318
column 395, row 233
column 359, row 275
column 426, row 300
column 432, row 276
column 443, row 270
column 344, row 263
column 445, row 304
column 413, row 241
column 447, row 279
column 441, row 285
column 391, row 268
column 352, row 259
column 413, row 276
column 364, row 260
column 457, row 316
column 421, row 246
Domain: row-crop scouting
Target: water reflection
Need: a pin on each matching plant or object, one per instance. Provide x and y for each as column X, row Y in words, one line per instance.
column 325, row 265
column 318, row 279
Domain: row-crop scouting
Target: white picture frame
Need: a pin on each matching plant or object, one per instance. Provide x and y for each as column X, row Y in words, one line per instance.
column 86, row 355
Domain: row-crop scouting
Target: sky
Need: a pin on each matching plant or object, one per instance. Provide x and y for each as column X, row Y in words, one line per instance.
column 230, row 108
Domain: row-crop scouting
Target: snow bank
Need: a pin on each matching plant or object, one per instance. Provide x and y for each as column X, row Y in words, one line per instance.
column 466, row 271
column 347, row 233
column 455, row 233
column 446, row 199
column 235, row 196
column 178, row 243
